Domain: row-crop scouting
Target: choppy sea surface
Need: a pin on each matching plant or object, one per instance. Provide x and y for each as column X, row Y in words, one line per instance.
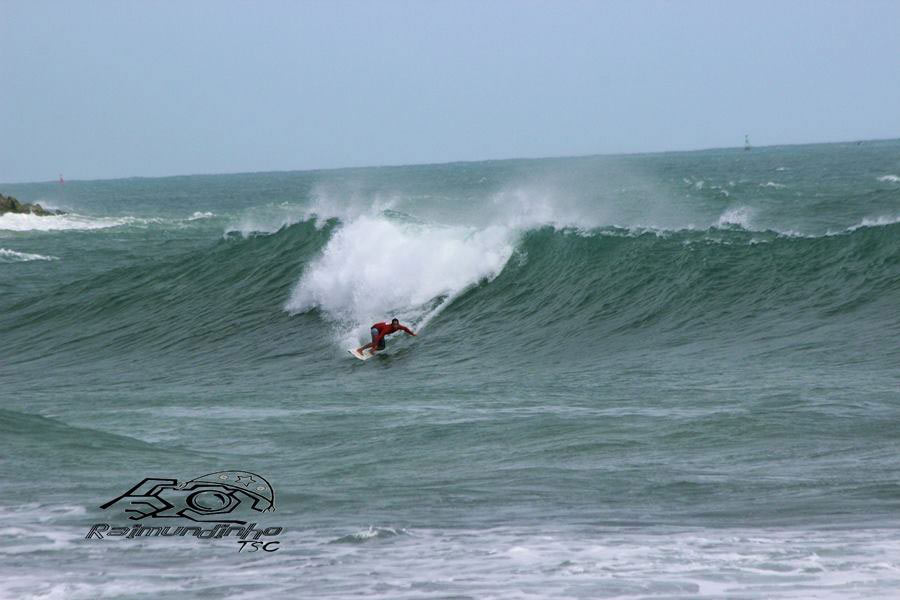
column 663, row 375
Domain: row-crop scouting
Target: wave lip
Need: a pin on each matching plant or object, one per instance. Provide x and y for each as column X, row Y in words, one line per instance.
column 875, row 222
column 889, row 179
column 198, row 215
column 12, row 256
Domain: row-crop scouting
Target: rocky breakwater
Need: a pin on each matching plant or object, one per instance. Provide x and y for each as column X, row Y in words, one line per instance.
column 8, row 204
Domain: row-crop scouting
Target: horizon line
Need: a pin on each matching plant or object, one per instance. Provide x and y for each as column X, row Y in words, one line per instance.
column 454, row 162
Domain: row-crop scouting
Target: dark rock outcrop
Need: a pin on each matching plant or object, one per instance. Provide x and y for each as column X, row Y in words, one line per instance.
column 10, row 204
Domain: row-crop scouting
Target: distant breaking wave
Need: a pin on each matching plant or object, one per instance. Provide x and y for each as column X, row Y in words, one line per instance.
column 76, row 222
column 876, row 222
column 29, row 222
column 201, row 215
column 735, row 216
column 11, row 256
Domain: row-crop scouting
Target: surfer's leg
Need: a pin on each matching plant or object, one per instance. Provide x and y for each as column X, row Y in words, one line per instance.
column 371, row 344
column 374, row 333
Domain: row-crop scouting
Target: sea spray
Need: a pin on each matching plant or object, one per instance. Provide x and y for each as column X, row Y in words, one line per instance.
column 375, row 268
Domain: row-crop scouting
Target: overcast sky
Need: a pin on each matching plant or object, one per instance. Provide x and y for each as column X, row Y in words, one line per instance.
column 115, row 89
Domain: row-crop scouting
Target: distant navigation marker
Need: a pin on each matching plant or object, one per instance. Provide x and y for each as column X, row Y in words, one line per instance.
column 61, row 180
column 746, row 142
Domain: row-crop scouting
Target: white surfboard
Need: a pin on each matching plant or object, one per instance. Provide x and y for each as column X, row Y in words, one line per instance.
column 366, row 355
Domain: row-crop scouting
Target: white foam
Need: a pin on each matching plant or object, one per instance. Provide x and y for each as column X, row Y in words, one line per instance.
column 371, row 533
column 375, row 268
column 875, row 222
column 543, row 561
column 11, row 256
column 31, row 222
column 201, row 215
column 772, row 184
column 382, row 262
column 889, row 179
column 739, row 216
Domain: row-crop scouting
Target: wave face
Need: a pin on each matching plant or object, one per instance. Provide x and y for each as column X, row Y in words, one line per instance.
column 697, row 347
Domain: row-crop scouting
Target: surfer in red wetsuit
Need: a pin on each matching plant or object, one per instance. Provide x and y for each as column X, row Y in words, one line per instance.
column 380, row 331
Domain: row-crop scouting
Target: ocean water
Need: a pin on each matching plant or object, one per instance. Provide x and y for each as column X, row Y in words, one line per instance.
column 665, row 375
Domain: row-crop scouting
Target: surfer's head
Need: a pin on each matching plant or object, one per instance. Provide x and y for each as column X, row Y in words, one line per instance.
column 395, row 322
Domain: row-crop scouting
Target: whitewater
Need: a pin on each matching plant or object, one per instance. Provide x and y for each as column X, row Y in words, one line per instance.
column 661, row 375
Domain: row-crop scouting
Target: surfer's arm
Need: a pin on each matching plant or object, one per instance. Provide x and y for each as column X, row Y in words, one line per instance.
column 406, row 329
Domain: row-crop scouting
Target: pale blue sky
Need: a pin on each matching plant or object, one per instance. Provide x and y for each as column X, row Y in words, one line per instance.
column 115, row 89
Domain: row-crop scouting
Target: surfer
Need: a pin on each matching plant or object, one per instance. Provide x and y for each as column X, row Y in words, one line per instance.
column 380, row 331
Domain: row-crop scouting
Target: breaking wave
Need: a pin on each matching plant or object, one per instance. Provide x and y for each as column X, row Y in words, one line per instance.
column 11, row 256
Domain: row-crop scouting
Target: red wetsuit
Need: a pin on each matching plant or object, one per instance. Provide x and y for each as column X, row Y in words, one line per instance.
column 386, row 329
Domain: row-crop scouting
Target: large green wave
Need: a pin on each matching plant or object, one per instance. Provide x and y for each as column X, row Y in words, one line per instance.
column 573, row 293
